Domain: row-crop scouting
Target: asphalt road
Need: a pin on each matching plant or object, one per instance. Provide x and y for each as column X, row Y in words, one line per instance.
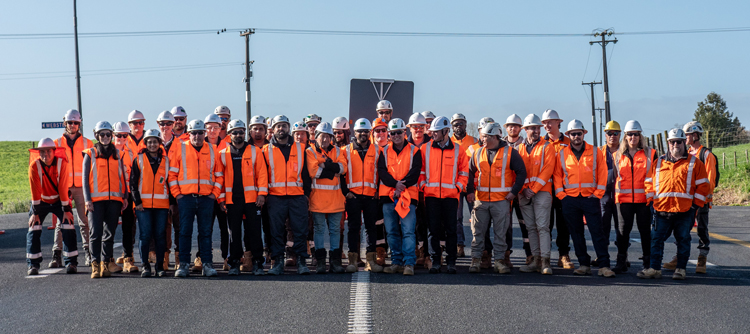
column 717, row 302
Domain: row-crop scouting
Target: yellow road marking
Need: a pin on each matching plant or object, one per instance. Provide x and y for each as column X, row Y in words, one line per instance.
column 726, row 238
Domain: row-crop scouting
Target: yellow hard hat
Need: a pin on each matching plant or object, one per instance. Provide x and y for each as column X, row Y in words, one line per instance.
column 612, row 126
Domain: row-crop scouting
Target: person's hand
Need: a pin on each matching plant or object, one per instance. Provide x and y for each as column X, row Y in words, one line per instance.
column 223, row 206
column 350, row 195
column 179, row 196
column 89, row 206
column 471, row 198
column 34, row 220
column 212, row 197
column 528, row 193
column 322, row 165
column 509, row 197
column 139, row 207
column 260, row 200
column 172, row 209
column 69, row 217
column 396, row 194
column 400, row 186
column 124, row 205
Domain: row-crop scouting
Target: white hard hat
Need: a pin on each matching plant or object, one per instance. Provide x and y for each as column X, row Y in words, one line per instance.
column 576, row 125
column 417, row 118
column 633, row 126
column 121, row 127
column 692, row 127
column 299, row 127
column 135, row 115
column 384, row 105
column 484, row 121
column 312, row 118
column 323, row 127
column 165, row 116
column 235, row 124
column 440, row 123
column 396, row 124
column 151, row 133
column 72, row 115
column 222, row 110
column 550, row 114
column 362, row 124
column 279, row 119
column 340, row 123
column 212, row 118
column 676, row 134
column 45, row 143
column 513, row 119
column 457, row 117
column 196, row 125
column 178, row 111
column 492, row 129
column 532, row 120
column 258, row 119
column 102, row 125
column 428, row 115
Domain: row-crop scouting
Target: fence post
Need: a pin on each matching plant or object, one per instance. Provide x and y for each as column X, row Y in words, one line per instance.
column 653, row 143
column 735, row 159
column 747, row 159
column 723, row 160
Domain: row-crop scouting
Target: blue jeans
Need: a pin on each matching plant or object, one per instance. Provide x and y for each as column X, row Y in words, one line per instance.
column 574, row 209
column 191, row 207
column 680, row 223
column 401, row 235
column 153, row 225
column 331, row 221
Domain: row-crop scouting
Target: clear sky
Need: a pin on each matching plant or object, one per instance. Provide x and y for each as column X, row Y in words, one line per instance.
column 656, row 79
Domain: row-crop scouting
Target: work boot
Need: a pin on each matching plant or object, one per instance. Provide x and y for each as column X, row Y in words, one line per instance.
column 302, row 268
column 394, row 269
column 234, row 269
column 160, row 272
column 564, row 262
column 334, row 262
column 208, row 270
column 197, row 265
column 452, row 269
column 278, row 266
column 71, row 269
column 165, row 264
column 176, row 260
column 531, row 267
column 507, row 260
column 546, row 266
column 182, row 269
column 606, row 272
column 152, row 257
column 146, row 270
column 129, row 265
column 620, row 266
column 352, row 266
column 113, row 267
column 95, row 269
column 500, row 267
column 311, row 251
column 32, row 271
column 380, row 259
column 56, row 259
column 418, row 253
column 360, row 263
column 267, row 254
column 104, row 267
column 121, row 259
column 582, row 270
column 700, row 267
column 474, row 267
column 679, row 274
column 427, row 262
column 87, row 257
column 408, row 270
column 671, row 265
column 291, row 258
column 371, row 264
column 435, row 268
column 529, row 259
column 247, row 262
column 258, row 269
column 320, row 258
column 486, row 260
column 460, row 252
column 225, row 266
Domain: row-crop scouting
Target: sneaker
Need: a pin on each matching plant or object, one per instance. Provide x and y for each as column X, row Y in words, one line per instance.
column 582, row 270
column 183, row 270
column 679, row 274
column 208, row 270
column 452, row 269
column 71, row 268
column 32, row 271
column 146, row 270
column 160, row 272
column 258, row 270
column 408, row 270
column 234, row 271
column 606, row 272
column 649, row 273
column 394, row 269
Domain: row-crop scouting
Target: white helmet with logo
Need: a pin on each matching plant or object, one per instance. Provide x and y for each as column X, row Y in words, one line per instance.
column 165, row 116
column 458, row 117
column 396, row 124
column 212, row 118
column 384, row 105
column 484, row 121
column 235, row 124
column 313, row 118
column 440, row 123
column 576, row 125
column 340, row 123
column 178, row 111
column 323, row 127
column 222, row 110
column 196, row 125
column 550, row 114
column 513, row 119
column 492, row 129
column 72, row 115
column 102, row 125
column 633, row 126
column 692, row 127
column 259, row 120
column 417, row 118
column 532, row 120
column 428, row 115
column 299, row 127
column 362, row 124
column 135, row 115
column 279, row 119
column 121, row 127
column 676, row 134
column 151, row 133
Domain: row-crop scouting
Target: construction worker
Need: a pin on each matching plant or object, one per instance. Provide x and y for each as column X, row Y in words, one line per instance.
column 136, row 122
column 49, row 185
column 552, row 124
column 380, row 132
column 460, row 138
column 300, row 134
column 384, row 110
column 380, row 139
column 512, row 127
column 224, row 115
column 680, row 186
column 288, row 190
column 492, row 165
column 166, row 121
column 150, row 192
column 444, row 176
column 311, row 123
column 693, row 132
column 269, row 129
column 243, row 195
column 486, row 259
column 580, row 181
column 180, row 123
column 258, row 129
column 195, row 178
column 608, row 206
column 399, row 169
column 342, row 137
column 74, row 143
column 214, row 128
column 428, row 118
column 106, row 191
column 122, row 140
column 632, row 168
column 535, row 200
column 417, row 126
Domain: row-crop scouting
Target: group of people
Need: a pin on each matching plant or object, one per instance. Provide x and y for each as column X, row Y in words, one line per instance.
column 279, row 189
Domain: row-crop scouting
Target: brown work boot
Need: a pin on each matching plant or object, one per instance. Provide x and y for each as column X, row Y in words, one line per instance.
column 582, row 270
column 460, row 251
column 546, row 266
column 246, row 265
column 474, row 267
column 225, row 266
column 165, row 265
column 606, row 272
column 372, row 264
column 352, row 265
column 380, row 258
column 486, row 260
column 531, row 267
column 394, row 269
column 129, row 265
column 700, row 267
column 565, row 263
column 104, row 268
column 427, row 263
column 671, row 265
column 529, row 259
column 113, row 267
column 507, row 260
column 95, row 269
column 197, row 265
column 419, row 255
column 500, row 267
column 121, row 259
column 408, row 270
column 360, row 263
column 176, row 260
column 151, row 257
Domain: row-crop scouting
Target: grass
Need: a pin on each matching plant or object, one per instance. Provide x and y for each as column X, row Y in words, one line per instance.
column 734, row 185
column 14, row 182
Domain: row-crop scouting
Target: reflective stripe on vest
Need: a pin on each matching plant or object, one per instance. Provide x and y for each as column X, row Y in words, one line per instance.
column 478, row 156
column 567, row 184
column 141, row 166
column 210, row 181
column 95, row 179
column 541, row 165
column 350, row 171
column 273, row 183
column 455, row 170
column 385, row 156
column 686, row 194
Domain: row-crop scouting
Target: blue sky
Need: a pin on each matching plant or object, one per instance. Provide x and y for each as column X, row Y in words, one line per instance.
column 656, row 79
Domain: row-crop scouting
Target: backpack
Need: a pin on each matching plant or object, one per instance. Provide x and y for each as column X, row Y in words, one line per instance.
column 703, row 154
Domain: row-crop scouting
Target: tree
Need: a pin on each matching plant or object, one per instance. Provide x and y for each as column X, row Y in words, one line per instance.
column 719, row 125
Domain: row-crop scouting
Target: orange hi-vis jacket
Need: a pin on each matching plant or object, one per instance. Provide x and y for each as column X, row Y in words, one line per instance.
column 473, row 149
column 585, row 176
column 128, row 155
column 464, row 143
column 631, row 176
column 326, row 196
column 398, row 166
column 493, row 181
column 676, row 186
column 152, row 186
column 106, row 179
column 222, row 144
column 540, row 164
column 285, row 176
column 136, row 147
column 362, row 175
column 708, row 160
column 558, row 144
column 445, row 171
column 42, row 190
column 75, row 158
column 253, row 172
column 193, row 172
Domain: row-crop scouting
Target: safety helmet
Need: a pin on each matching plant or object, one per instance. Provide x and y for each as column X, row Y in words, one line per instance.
column 378, row 122
column 279, row 119
column 299, row 127
column 532, row 120
column 196, row 125
column 492, row 129
column 417, row 118
column 340, row 123
column 633, row 126
column 178, row 111
column 212, row 118
column 135, row 115
column 484, row 121
column 102, row 125
column 550, row 114
column 428, row 115
column 457, row 117
column 72, row 115
column 151, row 133
column 576, row 125
column 165, row 116
column 440, row 123
column 513, row 119
column 222, row 110
column 692, row 127
column 323, row 127
column 362, row 124
column 384, row 105
column 676, row 134
column 396, row 124
column 43, row 144
column 268, row 121
column 313, row 118
column 612, row 126
column 258, row 119
column 121, row 127
column 235, row 124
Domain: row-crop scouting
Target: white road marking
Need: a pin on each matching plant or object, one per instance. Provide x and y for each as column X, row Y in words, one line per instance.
column 360, row 305
column 46, row 272
column 117, row 245
column 635, row 240
column 695, row 262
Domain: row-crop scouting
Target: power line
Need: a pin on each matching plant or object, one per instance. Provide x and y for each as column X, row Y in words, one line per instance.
column 58, row 74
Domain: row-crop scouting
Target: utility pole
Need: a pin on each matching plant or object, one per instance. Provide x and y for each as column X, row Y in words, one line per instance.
column 601, row 126
column 78, row 71
column 593, row 108
column 603, row 43
column 248, row 73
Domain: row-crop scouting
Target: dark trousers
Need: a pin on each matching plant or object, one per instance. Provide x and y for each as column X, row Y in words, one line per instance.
column 423, row 225
column 609, row 212
column 128, row 229
column 294, row 208
column 442, row 221
column 153, row 225
column 563, row 235
column 380, row 235
column 574, row 209
column 34, row 244
column 703, row 241
column 524, row 232
column 252, row 234
column 202, row 208
column 664, row 225
column 265, row 221
column 221, row 216
column 356, row 209
column 103, row 224
column 173, row 224
column 641, row 212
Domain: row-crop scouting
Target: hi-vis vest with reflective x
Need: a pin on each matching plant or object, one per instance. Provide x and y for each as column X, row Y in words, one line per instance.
column 445, row 172
column 41, row 188
column 362, row 175
column 676, row 186
column 153, row 187
column 253, row 173
column 195, row 172
column 540, row 164
column 285, row 176
column 75, row 158
column 584, row 176
column 631, row 177
column 493, row 182
column 106, row 181
column 127, row 155
column 398, row 168
column 326, row 196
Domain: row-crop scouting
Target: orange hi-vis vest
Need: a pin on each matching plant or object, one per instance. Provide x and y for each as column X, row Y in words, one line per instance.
column 127, row 155
column 398, row 168
column 326, row 196
column 136, row 147
column 285, row 175
column 153, row 187
column 631, row 176
column 75, row 158
column 42, row 190
column 362, row 175
column 558, row 144
column 195, row 172
column 253, row 172
column 445, row 172
column 585, row 176
column 493, row 182
column 464, row 143
column 106, row 179
column 677, row 185
column 708, row 160
column 540, row 164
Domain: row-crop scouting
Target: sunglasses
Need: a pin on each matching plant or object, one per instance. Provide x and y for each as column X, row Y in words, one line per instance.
column 224, row 119
column 612, row 133
column 105, row 134
column 676, row 142
column 121, row 136
column 311, row 125
column 397, row 133
column 198, row 133
column 384, row 112
column 166, row 123
column 380, row 130
column 179, row 119
column 237, row 133
column 366, row 131
column 338, row 132
column 575, row 134
column 631, row 134
column 74, row 123
column 418, row 127
column 137, row 122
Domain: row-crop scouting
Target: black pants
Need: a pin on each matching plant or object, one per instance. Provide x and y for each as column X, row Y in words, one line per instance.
column 223, row 229
column 102, row 227
column 642, row 214
column 380, row 235
column 609, row 212
column 703, row 241
column 524, row 232
column 575, row 209
column 422, row 225
column 266, row 225
column 365, row 207
column 295, row 208
column 33, row 237
column 252, row 235
column 563, row 234
column 128, row 228
column 442, row 219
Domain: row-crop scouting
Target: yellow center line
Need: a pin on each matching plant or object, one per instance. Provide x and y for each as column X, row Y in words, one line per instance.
column 725, row 238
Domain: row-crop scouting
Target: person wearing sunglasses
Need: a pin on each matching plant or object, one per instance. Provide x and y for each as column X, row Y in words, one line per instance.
column 300, row 134
column 513, row 128
column 379, row 138
column 136, row 121
column 166, row 121
column 580, row 182
column 180, row 123
column 460, row 138
column 224, row 116
column 609, row 207
column 311, row 123
column 417, row 126
column 121, row 140
column 384, row 109
column 486, row 260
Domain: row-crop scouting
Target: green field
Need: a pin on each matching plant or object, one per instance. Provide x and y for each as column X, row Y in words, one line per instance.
column 734, row 185
column 14, row 182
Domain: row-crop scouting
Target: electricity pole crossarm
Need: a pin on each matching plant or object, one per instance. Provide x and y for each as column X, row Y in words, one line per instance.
column 603, row 43
column 593, row 108
column 248, row 73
